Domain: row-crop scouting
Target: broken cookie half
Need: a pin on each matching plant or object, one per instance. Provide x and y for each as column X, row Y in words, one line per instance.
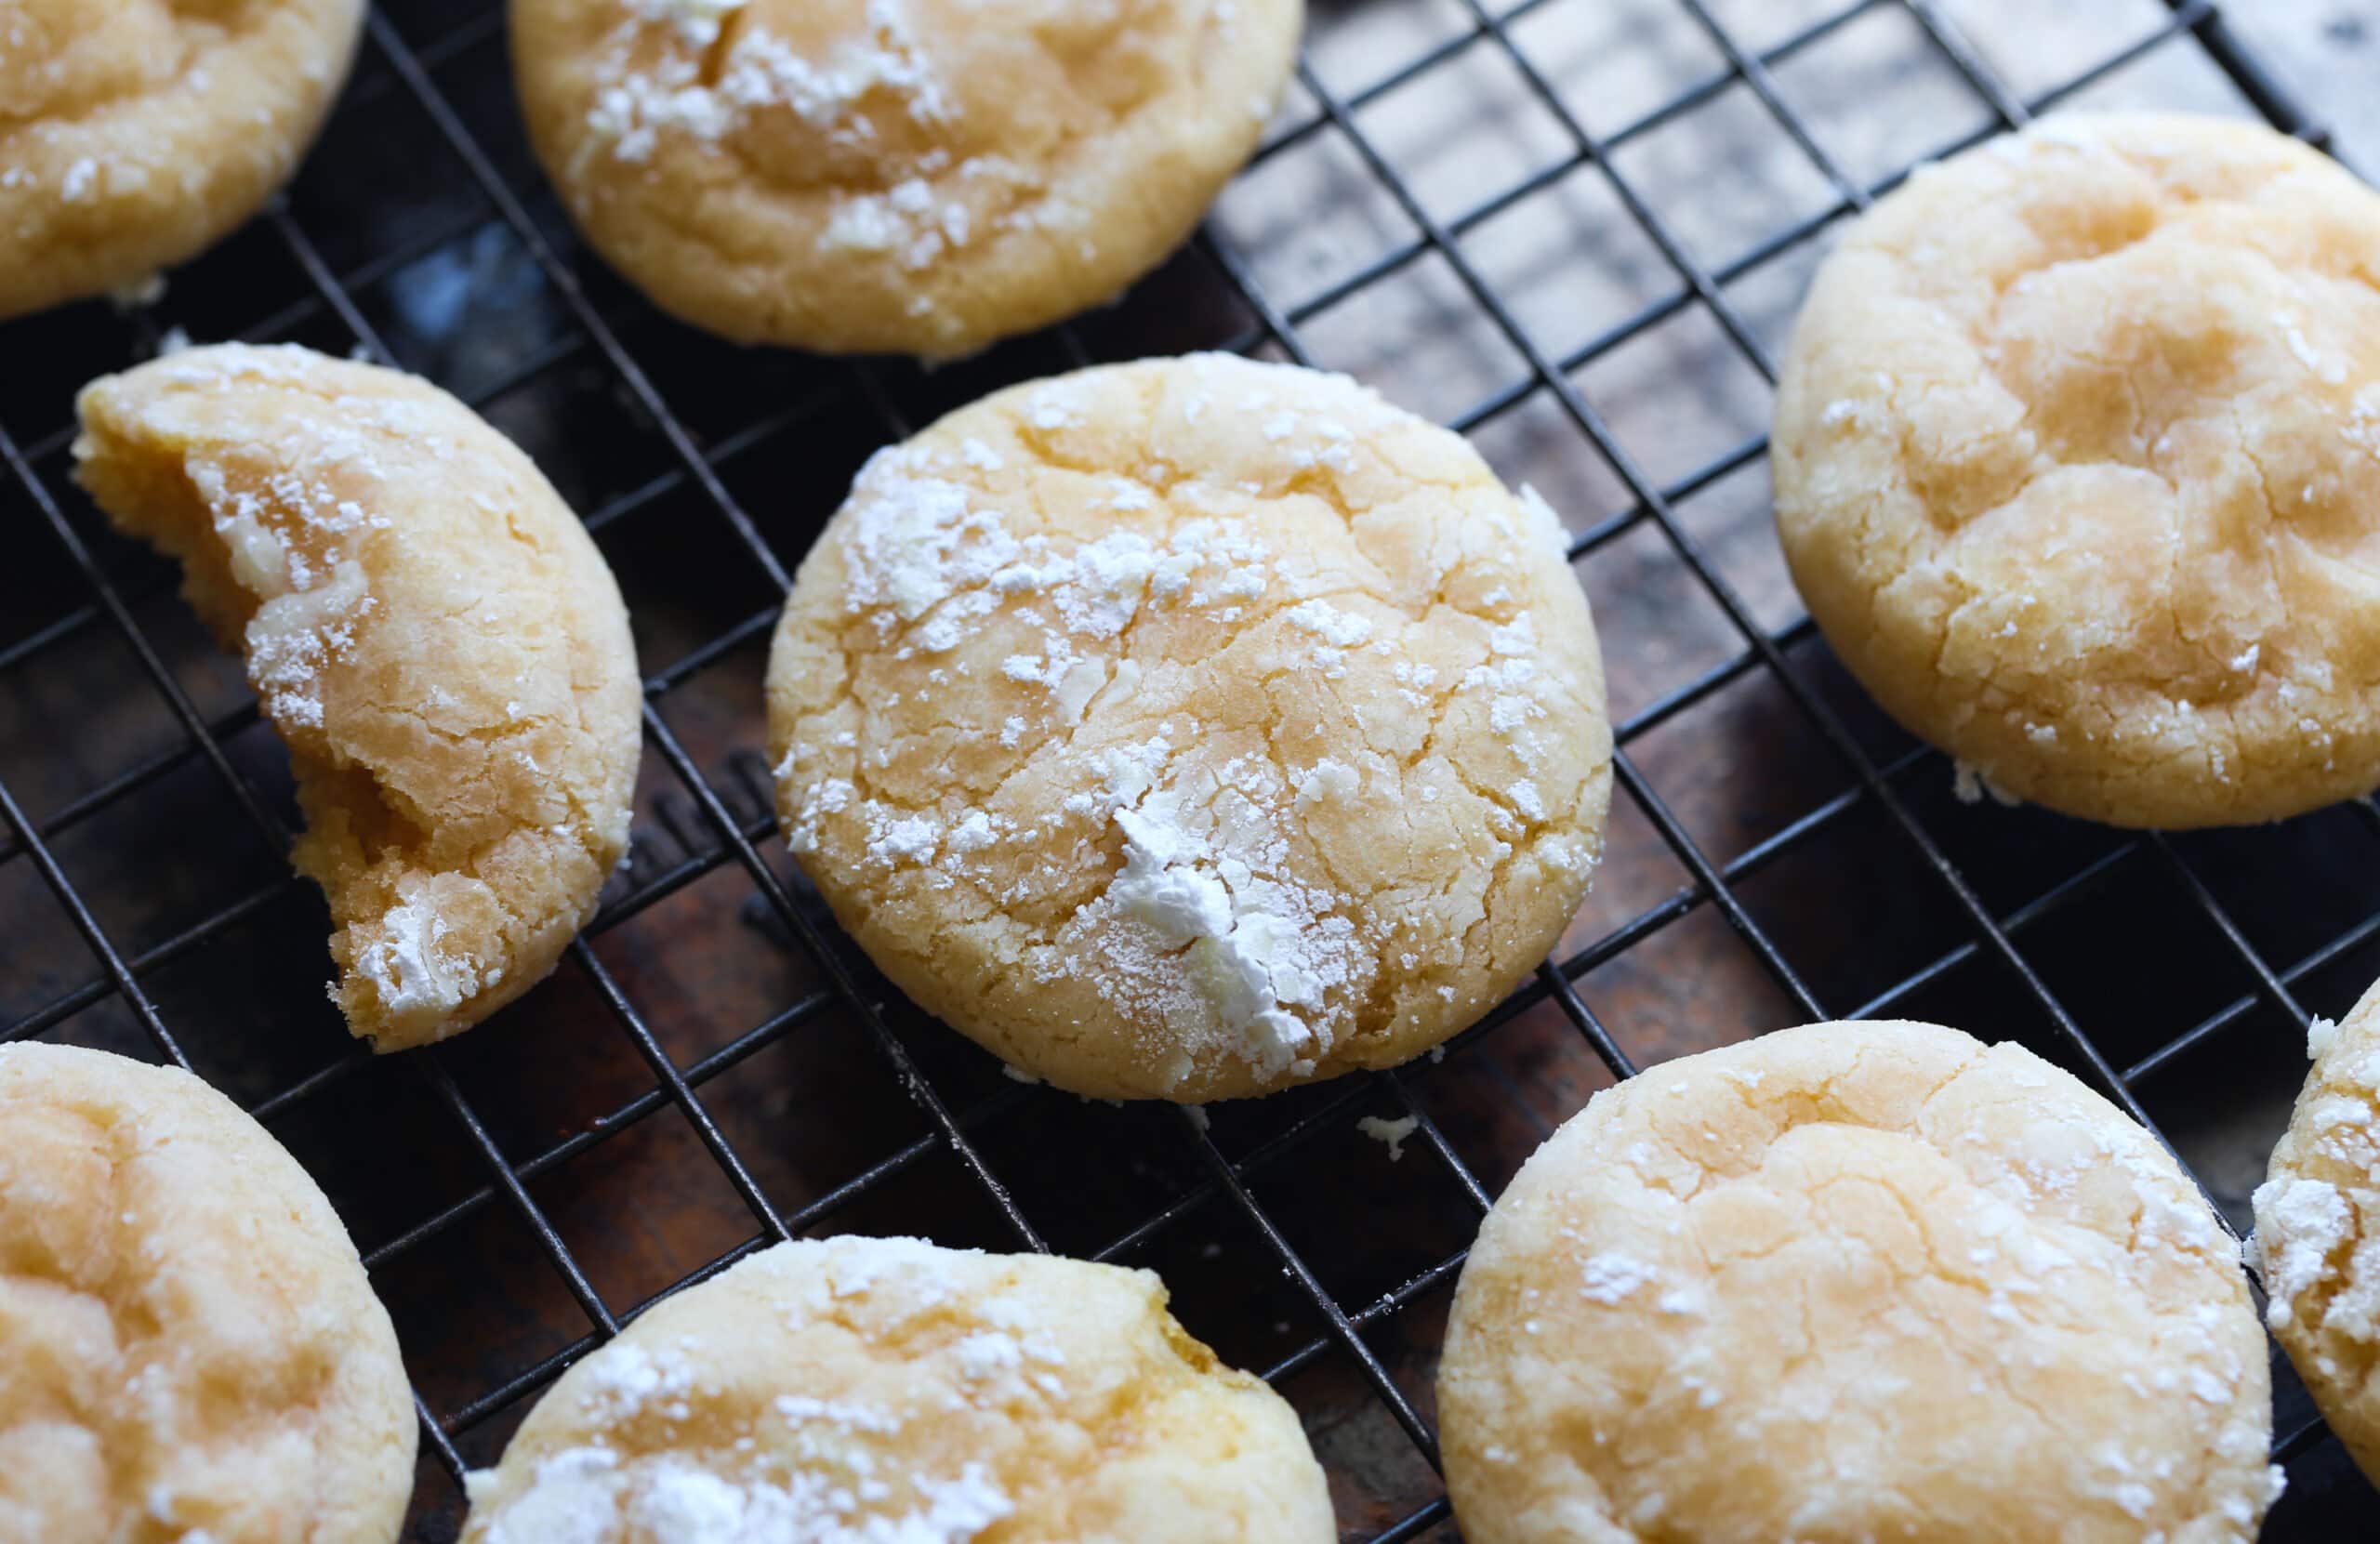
column 432, row 631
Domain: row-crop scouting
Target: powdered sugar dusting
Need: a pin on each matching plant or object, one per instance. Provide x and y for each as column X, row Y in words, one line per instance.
column 1035, row 611
column 1613, row 1277
column 1340, row 629
column 828, row 1474
column 626, row 1378
column 656, row 90
column 1205, row 926
column 2321, row 1266
column 662, row 84
column 2302, row 1229
column 290, row 540
column 698, row 21
column 81, row 180
column 588, row 1495
column 1327, row 782
column 572, row 1498
column 1192, row 927
column 408, row 965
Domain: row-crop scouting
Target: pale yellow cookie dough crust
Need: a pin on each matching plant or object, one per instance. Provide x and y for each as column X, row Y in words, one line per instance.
column 854, row 1390
column 135, row 134
column 429, row 628
column 1853, row 1281
column 892, row 175
column 2077, row 458
column 2317, row 1243
column 189, row 1348
column 1190, row 727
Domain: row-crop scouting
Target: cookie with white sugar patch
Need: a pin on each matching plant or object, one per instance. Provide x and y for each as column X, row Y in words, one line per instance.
column 431, row 630
column 919, row 177
column 852, row 1391
column 1193, row 728
column 2077, row 457
column 190, row 1350
column 2317, row 1244
column 134, row 135
column 1854, row 1280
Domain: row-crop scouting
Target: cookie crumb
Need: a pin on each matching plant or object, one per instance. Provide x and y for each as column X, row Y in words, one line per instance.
column 1391, row 1133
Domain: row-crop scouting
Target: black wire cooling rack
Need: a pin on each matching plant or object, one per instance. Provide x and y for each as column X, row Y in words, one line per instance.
column 706, row 1074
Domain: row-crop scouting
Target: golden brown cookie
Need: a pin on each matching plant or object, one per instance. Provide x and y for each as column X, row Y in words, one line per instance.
column 189, row 1348
column 432, row 631
column 135, row 134
column 883, row 1391
column 1191, row 728
column 2077, row 458
column 1853, row 1281
column 892, row 175
column 2317, row 1244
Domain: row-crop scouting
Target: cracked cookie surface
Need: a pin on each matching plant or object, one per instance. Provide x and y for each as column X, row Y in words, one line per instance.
column 2317, row 1244
column 431, row 630
column 2077, row 455
column 189, row 1348
column 893, row 176
column 134, row 134
column 1847, row 1282
column 847, row 1390
column 1191, row 728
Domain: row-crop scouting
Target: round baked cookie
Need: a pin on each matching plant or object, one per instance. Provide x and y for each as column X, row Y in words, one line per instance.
column 855, row 1389
column 189, row 1348
column 432, row 631
column 1854, row 1282
column 2077, row 458
column 2317, row 1243
column 917, row 177
column 1186, row 729
column 135, row 134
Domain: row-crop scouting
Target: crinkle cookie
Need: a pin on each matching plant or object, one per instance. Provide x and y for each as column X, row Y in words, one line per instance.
column 2317, row 1243
column 1190, row 727
column 431, row 630
column 892, row 175
column 135, row 134
column 189, row 1348
column 2077, row 458
column 1855, row 1282
column 867, row 1391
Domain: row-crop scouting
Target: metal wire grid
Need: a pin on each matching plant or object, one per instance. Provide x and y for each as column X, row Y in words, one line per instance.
column 731, row 840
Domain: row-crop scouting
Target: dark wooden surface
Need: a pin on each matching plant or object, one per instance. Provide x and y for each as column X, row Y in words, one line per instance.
column 2129, row 955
